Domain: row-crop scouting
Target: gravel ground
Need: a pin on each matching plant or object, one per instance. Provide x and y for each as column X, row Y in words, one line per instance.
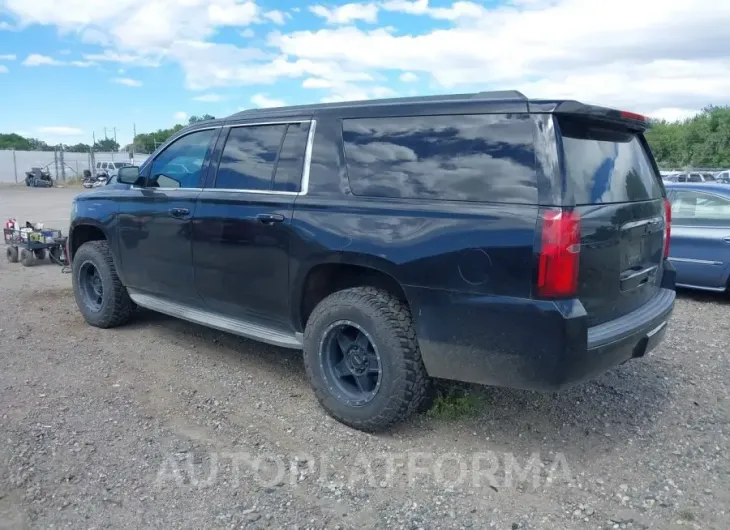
column 164, row 424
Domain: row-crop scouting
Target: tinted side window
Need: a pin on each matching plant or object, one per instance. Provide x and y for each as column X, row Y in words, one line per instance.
column 291, row 158
column 180, row 165
column 249, row 157
column 478, row 157
column 690, row 207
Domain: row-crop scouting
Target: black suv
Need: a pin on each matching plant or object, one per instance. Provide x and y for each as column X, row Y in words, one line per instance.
column 479, row 237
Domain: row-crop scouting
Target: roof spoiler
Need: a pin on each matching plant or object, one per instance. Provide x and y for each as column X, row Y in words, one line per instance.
column 624, row 118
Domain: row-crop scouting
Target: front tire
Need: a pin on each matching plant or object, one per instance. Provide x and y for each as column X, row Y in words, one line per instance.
column 362, row 359
column 100, row 295
column 27, row 257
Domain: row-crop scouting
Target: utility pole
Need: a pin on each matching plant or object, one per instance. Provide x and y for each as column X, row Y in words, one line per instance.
column 134, row 139
column 92, row 159
column 115, row 135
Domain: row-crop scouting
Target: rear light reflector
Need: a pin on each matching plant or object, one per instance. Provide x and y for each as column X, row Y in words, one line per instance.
column 667, row 226
column 632, row 115
column 557, row 275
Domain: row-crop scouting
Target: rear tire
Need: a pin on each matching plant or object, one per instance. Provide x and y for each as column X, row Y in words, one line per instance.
column 386, row 322
column 27, row 258
column 102, row 299
column 12, row 254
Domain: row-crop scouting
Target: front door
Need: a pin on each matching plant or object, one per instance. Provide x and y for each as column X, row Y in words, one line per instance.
column 155, row 221
column 242, row 223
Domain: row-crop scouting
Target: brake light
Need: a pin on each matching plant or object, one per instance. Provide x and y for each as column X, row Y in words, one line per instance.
column 557, row 275
column 632, row 115
column 667, row 226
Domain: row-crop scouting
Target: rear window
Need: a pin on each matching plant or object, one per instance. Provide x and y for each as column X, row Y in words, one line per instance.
column 605, row 165
column 478, row 157
column 117, row 165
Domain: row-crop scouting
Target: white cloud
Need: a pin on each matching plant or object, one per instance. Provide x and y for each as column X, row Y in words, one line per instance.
column 124, row 58
column 262, row 100
column 248, row 33
column 346, row 14
column 209, row 98
column 674, row 114
column 3, row 69
column 8, row 57
column 36, row 59
column 60, row 131
column 128, row 81
column 5, row 26
column 277, row 17
column 316, row 82
column 623, row 53
column 229, row 13
column 408, row 77
column 180, row 116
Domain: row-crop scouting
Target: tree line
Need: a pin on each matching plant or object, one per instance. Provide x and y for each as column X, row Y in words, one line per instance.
column 143, row 143
column 699, row 142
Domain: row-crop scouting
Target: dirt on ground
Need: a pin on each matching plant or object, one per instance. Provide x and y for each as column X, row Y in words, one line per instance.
column 164, row 424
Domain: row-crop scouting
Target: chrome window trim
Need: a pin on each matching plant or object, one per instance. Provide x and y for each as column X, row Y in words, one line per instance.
column 304, row 183
column 284, row 122
column 303, row 186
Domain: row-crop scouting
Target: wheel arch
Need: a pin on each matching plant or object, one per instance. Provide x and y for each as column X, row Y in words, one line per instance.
column 322, row 278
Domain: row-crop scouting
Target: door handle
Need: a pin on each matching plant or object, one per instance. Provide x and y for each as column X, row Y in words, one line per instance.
column 179, row 212
column 726, row 240
column 270, row 218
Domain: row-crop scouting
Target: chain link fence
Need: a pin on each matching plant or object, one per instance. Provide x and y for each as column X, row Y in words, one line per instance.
column 63, row 165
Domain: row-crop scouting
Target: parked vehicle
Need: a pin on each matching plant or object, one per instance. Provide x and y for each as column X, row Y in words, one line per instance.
column 109, row 169
column 723, row 177
column 690, row 177
column 700, row 237
column 481, row 237
column 38, row 178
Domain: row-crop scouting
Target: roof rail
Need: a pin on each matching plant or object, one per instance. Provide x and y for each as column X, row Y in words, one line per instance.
column 495, row 95
column 500, row 94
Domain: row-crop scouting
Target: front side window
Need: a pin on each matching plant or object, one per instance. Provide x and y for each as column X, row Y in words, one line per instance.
column 695, row 177
column 477, row 157
column 692, row 207
column 180, row 165
column 249, row 158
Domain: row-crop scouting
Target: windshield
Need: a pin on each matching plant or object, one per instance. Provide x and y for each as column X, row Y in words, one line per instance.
column 117, row 165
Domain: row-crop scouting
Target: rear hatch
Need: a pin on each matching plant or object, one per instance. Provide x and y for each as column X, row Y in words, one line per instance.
column 617, row 192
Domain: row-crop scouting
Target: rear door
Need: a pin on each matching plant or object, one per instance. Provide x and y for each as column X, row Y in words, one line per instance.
column 242, row 223
column 700, row 245
column 615, row 187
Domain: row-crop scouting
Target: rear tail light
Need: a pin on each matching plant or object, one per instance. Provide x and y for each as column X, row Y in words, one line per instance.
column 667, row 226
column 557, row 275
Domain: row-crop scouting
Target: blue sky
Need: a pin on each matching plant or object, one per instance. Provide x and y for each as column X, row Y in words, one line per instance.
column 69, row 68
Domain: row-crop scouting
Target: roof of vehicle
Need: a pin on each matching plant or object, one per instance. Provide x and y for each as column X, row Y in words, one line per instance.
column 496, row 97
column 722, row 189
column 504, row 97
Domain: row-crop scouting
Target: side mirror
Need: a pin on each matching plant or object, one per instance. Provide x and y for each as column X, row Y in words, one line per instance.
column 128, row 175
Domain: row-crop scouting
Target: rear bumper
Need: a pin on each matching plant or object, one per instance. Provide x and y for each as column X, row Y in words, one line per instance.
column 529, row 344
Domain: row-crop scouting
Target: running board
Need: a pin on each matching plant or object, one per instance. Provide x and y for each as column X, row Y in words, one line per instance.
column 216, row 321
